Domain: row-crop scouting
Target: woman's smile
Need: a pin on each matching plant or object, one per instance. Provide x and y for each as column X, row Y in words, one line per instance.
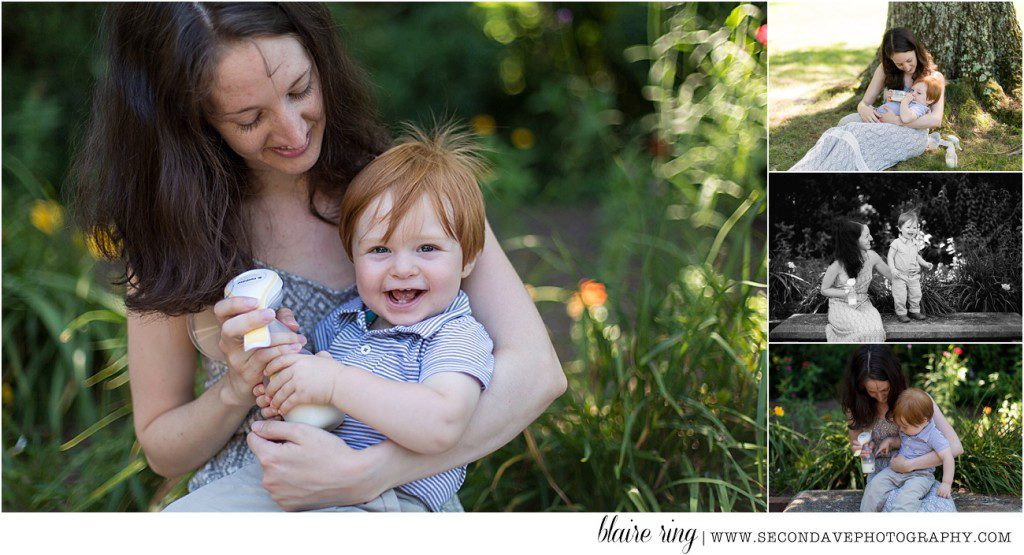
column 289, row 152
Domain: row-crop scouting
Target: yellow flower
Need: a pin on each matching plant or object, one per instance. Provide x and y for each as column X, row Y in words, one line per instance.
column 592, row 293
column 987, row 410
column 8, row 394
column 484, row 124
column 522, row 138
column 779, row 412
column 47, row 216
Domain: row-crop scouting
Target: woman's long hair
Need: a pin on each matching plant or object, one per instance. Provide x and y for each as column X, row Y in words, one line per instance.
column 870, row 362
column 901, row 39
column 848, row 251
column 157, row 186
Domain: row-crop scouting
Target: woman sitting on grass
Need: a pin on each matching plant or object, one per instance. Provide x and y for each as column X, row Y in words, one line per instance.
column 872, row 382
column 851, row 316
column 857, row 144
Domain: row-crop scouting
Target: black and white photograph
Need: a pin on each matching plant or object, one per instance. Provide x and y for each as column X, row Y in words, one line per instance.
column 879, row 257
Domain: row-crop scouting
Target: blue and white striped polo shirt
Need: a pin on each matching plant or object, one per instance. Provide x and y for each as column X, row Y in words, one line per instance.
column 452, row 341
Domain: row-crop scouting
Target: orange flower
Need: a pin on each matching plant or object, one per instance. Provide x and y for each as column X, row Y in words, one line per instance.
column 592, row 293
column 574, row 308
column 987, row 410
column 779, row 411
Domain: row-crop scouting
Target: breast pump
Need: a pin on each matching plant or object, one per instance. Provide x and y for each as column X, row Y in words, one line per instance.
column 267, row 288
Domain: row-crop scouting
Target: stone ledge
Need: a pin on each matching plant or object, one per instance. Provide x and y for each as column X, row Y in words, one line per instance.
column 963, row 326
column 848, row 501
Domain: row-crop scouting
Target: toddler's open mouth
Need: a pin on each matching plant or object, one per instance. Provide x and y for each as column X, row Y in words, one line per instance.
column 402, row 297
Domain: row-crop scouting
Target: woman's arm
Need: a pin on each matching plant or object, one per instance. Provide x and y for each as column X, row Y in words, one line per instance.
column 932, row 459
column 831, row 273
column 932, row 119
column 864, row 108
column 177, row 431
column 880, row 265
column 527, row 378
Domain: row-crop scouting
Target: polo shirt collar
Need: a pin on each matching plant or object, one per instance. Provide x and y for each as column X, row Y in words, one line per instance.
column 425, row 329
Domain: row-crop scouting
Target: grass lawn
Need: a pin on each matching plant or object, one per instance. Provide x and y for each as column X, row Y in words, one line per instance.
column 810, row 90
column 817, row 54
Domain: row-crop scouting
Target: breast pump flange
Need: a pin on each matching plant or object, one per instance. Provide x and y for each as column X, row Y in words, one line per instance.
column 267, row 288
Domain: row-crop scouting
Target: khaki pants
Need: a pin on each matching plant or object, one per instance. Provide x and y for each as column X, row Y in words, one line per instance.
column 906, row 294
column 914, row 486
column 243, row 491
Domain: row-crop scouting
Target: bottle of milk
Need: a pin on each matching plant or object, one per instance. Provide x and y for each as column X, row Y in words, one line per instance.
column 867, row 464
column 851, row 292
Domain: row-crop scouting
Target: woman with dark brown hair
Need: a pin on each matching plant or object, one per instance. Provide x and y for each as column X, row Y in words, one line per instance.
column 854, row 146
column 222, row 138
column 871, row 384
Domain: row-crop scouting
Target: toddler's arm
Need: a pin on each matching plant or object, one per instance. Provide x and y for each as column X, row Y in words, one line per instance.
column 906, row 114
column 947, row 473
column 427, row 417
column 924, row 262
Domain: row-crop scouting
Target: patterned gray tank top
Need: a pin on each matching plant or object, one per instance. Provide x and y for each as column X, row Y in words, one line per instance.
column 311, row 302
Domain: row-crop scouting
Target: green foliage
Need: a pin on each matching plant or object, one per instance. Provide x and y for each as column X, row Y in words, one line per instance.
column 820, row 458
column 667, row 395
column 658, row 415
column 977, row 387
column 816, row 87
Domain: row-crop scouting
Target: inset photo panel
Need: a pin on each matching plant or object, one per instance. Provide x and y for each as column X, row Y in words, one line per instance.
column 901, row 86
column 895, row 428
column 871, row 258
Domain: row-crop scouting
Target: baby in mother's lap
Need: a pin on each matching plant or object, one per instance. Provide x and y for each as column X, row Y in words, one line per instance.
column 918, row 436
column 925, row 91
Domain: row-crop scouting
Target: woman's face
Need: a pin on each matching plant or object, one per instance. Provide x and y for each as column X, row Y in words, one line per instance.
column 267, row 105
column 865, row 238
column 905, row 61
column 877, row 390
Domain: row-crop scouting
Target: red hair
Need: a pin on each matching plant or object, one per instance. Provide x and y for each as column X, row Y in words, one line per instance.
column 934, row 85
column 913, row 407
column 444, row 165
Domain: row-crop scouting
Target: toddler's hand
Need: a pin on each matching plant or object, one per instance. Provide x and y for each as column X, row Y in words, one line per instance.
column 899, row 464
column 929, row 265
column 297, row 379
column 883, row 448
column 944, row 491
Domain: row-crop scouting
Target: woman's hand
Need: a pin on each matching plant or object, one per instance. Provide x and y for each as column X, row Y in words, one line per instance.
column 307, row 468
column 889, row 117
column 867, row 113
column 238, row 316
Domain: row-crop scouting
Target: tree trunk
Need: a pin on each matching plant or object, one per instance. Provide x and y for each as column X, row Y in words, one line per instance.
column 977, row 44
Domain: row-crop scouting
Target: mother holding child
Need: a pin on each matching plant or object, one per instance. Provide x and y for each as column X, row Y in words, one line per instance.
column 224, row 137
column 909, row 436
column 914, row 95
